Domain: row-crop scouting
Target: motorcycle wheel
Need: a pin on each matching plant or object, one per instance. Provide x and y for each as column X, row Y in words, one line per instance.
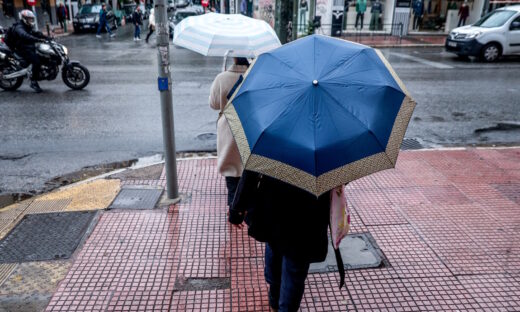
column 10, row 84
column 75, row 76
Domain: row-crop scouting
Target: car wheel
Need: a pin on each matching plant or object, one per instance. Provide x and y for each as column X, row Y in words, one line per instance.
column 490, row 52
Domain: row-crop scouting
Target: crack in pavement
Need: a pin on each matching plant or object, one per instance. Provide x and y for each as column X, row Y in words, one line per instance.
column 14, row 157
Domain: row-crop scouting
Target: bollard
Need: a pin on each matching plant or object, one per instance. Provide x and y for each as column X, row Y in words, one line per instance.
column 48, row 29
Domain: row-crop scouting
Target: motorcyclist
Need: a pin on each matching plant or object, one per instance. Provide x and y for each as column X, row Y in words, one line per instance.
column 24, row 40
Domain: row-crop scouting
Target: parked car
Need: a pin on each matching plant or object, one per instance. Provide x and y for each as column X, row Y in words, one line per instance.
column 179, row 16
column 181, row 4
column 88, row 18
column 494, row 35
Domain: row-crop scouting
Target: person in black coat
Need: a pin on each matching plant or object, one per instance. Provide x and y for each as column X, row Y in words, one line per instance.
column 293, row 223
column 137, row 19
column 22, row 38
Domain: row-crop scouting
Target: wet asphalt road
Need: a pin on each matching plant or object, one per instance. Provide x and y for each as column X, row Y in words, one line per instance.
column 117, row 117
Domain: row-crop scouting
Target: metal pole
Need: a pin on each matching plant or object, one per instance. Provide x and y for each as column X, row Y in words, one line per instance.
column 165, row 89
column 36, row 17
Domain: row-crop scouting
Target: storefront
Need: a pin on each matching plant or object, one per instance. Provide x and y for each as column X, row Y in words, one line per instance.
column 398, row 17
column 45, row 11
column 444, row 15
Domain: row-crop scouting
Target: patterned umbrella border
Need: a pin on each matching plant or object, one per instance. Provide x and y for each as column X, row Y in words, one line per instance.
column 333, row 178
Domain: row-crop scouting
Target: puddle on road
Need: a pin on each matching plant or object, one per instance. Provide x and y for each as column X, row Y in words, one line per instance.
column 501, row 126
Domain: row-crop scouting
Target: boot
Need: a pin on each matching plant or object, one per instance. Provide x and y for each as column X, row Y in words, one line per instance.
column 35, row 86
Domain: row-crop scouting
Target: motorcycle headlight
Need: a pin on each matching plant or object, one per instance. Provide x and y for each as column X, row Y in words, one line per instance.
column 474, row 34
column 65, row 50
column 44, row 47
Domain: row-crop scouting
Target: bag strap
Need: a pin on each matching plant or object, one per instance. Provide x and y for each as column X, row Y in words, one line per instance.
column 341, row 267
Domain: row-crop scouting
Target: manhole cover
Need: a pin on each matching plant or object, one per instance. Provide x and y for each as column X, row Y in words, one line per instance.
column 357, row 252
column 45, row 236
column 137, row 198
column 186, row 284
column 411, row 144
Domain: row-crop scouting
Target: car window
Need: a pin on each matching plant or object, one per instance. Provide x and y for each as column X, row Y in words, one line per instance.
column 495, row 19
column 516, row 20
column 87, row 9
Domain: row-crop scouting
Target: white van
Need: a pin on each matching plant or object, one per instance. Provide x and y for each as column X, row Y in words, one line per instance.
column 495, row 34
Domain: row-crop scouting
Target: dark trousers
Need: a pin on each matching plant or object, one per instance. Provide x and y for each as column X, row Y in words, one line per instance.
column 137, row 32
column 231, row 184
column 286, row 279
column 358, row 17
column 103, row 25
column 462, row 21
column 416, row 21
column 150, row 32
column 30, row 56
column 61, row 23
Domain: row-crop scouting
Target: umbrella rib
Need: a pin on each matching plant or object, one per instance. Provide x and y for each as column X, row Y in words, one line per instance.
column 348, row 62
column 283, row 62
column 355, row 117
column 364, row 85
column 275, row 119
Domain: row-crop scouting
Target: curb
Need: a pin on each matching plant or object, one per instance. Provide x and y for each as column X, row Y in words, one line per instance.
column 407, row 45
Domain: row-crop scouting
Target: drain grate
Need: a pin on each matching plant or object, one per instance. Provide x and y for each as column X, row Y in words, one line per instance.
column 45, row 236
column 411, row 144
column 187, row 284
column 130, row 198
column 357, row 251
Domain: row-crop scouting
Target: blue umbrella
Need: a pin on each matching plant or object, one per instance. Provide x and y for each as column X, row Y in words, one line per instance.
column 319, row 112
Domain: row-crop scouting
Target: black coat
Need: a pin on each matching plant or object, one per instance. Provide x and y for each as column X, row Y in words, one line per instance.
column 24, row 37
column 288, row 218
column 137, row 18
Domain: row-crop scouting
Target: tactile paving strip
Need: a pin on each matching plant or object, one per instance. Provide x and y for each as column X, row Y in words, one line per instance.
column 47, row 236
column 5, row 271
column 130, row 198
column 35, row 277
column 46, row 206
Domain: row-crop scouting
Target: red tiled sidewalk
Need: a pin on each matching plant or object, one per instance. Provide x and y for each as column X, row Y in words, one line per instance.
column 448, row 222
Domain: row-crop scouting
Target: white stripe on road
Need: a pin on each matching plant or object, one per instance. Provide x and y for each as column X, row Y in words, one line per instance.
column 422, row 61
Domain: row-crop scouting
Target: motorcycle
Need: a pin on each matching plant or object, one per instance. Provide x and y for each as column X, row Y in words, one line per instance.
column 13, row 68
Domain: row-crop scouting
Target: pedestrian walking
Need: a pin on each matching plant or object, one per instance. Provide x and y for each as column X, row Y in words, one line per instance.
column 229, row 163
column 137, row 19
column 103, row 22
column 151, row 24
column 62, row 14
column 463, row 13
column 293, row 223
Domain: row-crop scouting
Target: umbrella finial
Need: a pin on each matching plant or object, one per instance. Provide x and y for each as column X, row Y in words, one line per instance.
column 315, row 82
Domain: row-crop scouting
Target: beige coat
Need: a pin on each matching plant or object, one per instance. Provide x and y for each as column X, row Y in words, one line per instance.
column 228, row 162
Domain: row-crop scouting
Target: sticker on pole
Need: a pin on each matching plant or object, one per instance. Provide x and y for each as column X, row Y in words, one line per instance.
column 163, row 84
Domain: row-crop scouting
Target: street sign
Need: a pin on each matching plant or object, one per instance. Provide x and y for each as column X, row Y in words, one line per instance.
column 31, row 2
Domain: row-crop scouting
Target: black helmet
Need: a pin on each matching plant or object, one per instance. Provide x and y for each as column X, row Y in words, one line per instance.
column 28, row 18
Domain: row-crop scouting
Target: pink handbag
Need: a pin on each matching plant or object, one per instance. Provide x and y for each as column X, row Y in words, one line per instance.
column 339, row 215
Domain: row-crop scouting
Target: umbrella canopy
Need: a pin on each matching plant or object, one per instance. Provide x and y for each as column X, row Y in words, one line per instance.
column 216, row 34
column 319, row 112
